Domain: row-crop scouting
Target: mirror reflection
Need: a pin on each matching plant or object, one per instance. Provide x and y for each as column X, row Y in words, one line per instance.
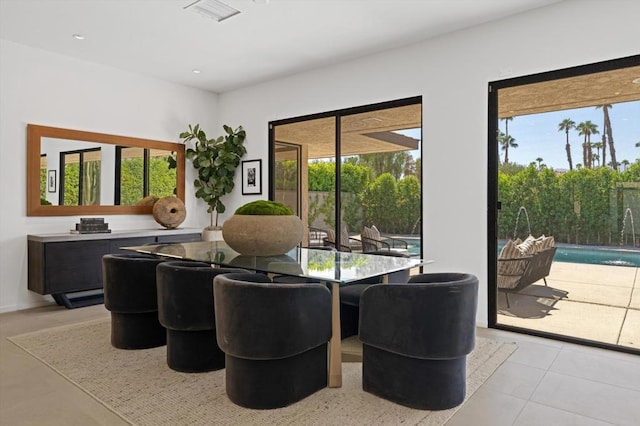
column 84, row 173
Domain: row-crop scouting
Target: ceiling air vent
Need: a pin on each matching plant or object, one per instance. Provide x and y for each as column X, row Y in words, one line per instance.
column 213, row 9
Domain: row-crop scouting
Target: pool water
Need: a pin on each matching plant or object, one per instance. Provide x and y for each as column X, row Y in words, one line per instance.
column 594, row 255
column 598, row 255
column 413, row 245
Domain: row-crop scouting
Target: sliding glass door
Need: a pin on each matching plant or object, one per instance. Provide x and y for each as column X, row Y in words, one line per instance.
column 564, row 151
column 344, row 170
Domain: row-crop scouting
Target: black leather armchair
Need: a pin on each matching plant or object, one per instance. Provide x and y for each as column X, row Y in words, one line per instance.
column 416, row 338
column 185, row 309
column 275, row 339
column 129, row 282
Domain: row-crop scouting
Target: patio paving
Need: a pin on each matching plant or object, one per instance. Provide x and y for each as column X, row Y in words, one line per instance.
column 594, row 302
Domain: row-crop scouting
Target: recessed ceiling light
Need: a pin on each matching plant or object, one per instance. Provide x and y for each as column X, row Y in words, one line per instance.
column 78, row 36
column 213, row 9
column 636, row 80
column 195, row 71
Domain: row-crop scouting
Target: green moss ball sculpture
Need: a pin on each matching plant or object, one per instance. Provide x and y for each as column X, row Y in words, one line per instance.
column 264, row 208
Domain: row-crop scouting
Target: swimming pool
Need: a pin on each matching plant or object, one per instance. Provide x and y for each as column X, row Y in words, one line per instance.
column 594, row 255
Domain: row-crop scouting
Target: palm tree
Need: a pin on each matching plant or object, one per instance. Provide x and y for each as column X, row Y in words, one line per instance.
column 607, row 130
column 598, row 146
column 539, row 160
column 506, row 124
column 506, row 142
column 625, row 163
column 566, row 125
column 586, row 129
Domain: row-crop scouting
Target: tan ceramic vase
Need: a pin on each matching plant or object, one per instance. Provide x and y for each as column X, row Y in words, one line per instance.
column 262, row 235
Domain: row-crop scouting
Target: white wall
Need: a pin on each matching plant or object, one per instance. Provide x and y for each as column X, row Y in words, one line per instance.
column 451, row 73
column 49, row 89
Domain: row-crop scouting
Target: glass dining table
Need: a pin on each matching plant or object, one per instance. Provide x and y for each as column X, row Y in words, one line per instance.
column 334, row 268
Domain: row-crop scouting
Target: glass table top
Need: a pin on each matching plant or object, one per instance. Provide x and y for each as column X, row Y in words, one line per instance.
column 324, row 265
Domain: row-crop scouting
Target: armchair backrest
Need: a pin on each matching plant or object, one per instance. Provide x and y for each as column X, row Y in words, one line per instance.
column 433, row 316
column 260, row 320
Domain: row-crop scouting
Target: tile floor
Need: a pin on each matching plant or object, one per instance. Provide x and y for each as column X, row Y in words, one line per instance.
column 544, row 382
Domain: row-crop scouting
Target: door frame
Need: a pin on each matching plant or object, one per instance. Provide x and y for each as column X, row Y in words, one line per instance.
column 493, row 204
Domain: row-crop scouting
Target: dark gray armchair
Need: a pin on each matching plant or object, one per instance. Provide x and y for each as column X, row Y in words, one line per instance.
column 350, row 295
column 130, row 294
column 416, row 338
column 274, row 337
column 185, row 309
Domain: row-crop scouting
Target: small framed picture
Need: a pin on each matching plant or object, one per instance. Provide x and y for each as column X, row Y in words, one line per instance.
column 252, row 177
column 51, row 181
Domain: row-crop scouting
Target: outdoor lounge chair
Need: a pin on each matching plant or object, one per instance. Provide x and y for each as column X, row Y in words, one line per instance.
column 373, row 240
column 346, row 242
column 517, row 272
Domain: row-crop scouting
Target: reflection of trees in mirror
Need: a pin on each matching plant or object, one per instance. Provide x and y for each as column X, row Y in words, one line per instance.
column 162, row 179
column 90, row 184
column 142, row 173
column 43, row 186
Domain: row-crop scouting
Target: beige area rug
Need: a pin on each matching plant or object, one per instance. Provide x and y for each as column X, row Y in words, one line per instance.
column 139, row 387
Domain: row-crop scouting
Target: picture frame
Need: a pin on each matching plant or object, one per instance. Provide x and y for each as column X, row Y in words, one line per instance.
column 52, row 181
column 252, row 177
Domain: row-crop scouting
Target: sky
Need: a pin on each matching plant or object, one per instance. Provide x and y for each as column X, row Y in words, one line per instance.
column 537, row 135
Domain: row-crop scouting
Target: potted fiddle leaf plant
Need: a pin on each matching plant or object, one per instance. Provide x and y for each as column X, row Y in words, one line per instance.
column 216, row 161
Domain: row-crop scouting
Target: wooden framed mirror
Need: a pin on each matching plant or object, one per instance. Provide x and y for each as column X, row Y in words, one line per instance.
column 74, row 172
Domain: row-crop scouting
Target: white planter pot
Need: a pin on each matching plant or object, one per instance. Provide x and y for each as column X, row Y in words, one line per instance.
column 211, row 234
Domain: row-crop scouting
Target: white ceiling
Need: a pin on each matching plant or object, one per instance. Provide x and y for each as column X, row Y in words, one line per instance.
column 268, row 39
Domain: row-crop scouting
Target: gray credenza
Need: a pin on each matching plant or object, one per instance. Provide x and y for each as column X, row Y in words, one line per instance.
column 69, row 266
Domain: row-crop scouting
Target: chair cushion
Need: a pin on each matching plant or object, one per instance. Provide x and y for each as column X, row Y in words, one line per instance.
column 372, row 237
column 331, row 236
column 545, row 243
column 510, row 251
column 527, row 246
